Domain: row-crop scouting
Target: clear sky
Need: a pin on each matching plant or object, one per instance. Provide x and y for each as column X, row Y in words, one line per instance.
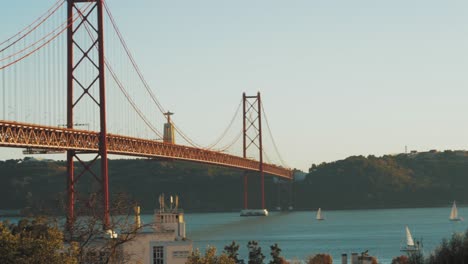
column 337, row 77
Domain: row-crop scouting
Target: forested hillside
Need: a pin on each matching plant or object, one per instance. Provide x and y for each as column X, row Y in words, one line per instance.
column 405, row 180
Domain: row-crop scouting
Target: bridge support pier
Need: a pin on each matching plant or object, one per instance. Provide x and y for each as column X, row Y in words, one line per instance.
column 94, row 28
column 246, row 191
column 252, row 138
column 70, row 191
column 284, row 195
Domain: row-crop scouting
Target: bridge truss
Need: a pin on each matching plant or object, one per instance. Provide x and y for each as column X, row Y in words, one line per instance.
column 21, row 135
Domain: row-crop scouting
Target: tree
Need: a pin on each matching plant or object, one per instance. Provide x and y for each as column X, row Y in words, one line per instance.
column 93, row 242
column 320, row 259
column 232, row 252
column 40, row 239
column 400, row 260
column 416, row 258
column 451, row 251
column 255, row 253
column 209, row 257
column 275, row 255
column 33, row 241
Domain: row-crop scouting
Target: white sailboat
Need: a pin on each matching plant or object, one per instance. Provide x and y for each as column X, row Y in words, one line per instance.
column 319, row 215
column 410, row 245
column 454, row 213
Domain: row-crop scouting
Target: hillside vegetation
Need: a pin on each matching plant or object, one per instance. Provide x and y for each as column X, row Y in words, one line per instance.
column 405, row 180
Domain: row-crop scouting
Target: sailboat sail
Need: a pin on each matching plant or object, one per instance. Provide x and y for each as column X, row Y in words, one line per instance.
column 409, row 238
column 319, row 214
column 454, row 212
column 410, row 245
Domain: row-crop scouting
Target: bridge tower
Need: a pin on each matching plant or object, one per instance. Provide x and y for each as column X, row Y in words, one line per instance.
column 79, row 55
column 252, row 138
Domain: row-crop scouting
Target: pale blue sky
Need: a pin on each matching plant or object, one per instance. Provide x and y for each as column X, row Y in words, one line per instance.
column 338, row 77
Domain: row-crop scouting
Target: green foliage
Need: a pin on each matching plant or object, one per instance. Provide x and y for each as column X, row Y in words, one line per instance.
column 232, row 252
column 209, row 257
column 275, row 255
column 33, row 241
column 451, row 251
column 416, row 258
column 255, row 253
column 387, row 181
column 41, row 185
column 400, row 260
column 320, row 259
column 362, row 182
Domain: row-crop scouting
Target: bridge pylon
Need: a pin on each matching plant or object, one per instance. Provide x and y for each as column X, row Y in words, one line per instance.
column 80, row 54
column 252, row 139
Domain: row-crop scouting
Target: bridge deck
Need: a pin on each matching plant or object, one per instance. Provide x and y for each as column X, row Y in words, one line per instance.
column 22, row 135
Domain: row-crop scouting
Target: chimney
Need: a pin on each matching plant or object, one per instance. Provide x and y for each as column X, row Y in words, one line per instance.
column 354, row 258
column 137, row 216
column 344, row 258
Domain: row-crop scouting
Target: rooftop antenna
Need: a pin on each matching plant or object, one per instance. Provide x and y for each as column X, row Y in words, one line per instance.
column 137, row 216
column 161, row 202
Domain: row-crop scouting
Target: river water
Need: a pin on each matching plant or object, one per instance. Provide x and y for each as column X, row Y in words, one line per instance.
column 299, row 235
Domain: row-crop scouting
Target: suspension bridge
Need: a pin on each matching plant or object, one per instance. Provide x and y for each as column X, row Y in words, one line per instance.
column 56, row 79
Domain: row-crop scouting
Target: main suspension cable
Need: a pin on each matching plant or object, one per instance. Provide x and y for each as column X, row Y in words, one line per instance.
column 227, row 128
column 234, row 141
column 130, row 100
column 140, row 75
column 122, row 88
column 132, row 60
column 41, row 46
column 48, row 14
column 272, row 138
column 35, row 43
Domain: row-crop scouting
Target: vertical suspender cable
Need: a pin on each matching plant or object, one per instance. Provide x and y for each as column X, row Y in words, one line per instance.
column 122, row 88
column 34, row 22
column 4, row 94
column 273, row 139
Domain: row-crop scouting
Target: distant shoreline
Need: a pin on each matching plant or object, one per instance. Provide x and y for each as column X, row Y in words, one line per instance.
column 11, row 213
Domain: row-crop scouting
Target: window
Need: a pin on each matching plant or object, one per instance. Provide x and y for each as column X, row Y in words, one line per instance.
column 158, row 255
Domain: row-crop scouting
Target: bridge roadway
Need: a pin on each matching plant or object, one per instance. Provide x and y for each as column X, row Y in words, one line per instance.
column 23, row 135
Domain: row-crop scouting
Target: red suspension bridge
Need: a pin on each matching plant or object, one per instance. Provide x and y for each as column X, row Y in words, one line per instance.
column 57, row 65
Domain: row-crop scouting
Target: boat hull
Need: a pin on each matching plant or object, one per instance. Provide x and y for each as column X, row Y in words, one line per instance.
column 409, row 249
column 254, row 212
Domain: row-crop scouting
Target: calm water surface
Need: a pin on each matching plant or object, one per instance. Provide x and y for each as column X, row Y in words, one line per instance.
column 299, row 235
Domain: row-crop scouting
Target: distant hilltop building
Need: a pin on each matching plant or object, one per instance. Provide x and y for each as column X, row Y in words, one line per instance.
column 433, row 152
column 33, row 159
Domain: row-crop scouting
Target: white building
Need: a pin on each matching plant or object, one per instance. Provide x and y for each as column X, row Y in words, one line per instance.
column 163, row 243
